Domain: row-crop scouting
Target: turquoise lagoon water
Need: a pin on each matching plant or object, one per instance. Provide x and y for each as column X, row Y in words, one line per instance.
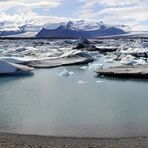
column 48, row 104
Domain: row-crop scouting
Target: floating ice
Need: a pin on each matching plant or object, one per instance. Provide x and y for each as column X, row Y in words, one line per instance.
column 66, row 73
column 71, row 73
column 94, row 54
column 141, row 51
column 127, row 60
column 72, row 53
column 109, row 60
column 84, row 67
column 17, row 60
column 12, row 60
column 21, row 49
column 140, row 62
column 130, row 60
column 99, row 81
column 94, row 66
column 11, row 68
column 82, row 82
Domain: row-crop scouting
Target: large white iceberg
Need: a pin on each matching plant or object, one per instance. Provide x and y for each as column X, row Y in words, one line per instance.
column 17, row 60
column 11, row 68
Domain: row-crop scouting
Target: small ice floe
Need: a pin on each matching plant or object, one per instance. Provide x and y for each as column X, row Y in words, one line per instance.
column 109, row 60
column 82, row 82
column 66, row 73
column 94, row 66
column 99, row 81
column 22, row 49
column 94, row 54
column 84, row 67
column 127, row 60
column 130, row 60
column 140, row 62
column 74, row 53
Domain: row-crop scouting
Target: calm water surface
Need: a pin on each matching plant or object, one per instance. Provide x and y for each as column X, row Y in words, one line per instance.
column 49, row 104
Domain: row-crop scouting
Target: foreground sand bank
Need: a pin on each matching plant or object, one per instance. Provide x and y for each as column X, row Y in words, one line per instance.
column 30, row 141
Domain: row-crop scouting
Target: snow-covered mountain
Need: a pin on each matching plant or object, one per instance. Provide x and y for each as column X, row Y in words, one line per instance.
column 79, row 29
column 71, row 29
column 10, row 32
column 20, row 30
column 84, row 25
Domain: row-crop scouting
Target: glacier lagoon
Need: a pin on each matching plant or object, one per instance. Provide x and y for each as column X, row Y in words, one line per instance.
column 50, row 104
column 70, row 101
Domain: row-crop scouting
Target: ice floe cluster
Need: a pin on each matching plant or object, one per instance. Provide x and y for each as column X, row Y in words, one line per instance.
column 17, row 56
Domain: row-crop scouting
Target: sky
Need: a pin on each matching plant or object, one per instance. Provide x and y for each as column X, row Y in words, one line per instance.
column 128, row 12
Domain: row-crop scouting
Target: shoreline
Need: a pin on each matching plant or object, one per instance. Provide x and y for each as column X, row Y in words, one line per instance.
column 35, row 141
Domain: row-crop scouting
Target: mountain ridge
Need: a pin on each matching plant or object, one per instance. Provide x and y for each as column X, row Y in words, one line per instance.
column 77, row 30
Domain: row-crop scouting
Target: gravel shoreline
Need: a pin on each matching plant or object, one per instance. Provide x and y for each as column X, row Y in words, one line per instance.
column 31, row 141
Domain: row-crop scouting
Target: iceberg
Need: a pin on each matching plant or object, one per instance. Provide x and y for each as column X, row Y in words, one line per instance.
column 66, row 73
column 16, row 60
column 140, row 62
column 22, row 49
column 127, row 60
column 109, row 60
column 11, row 68
column 137, row 49
column 94, row 66
column 130, row 60
column 84, row 67
column 74, row 53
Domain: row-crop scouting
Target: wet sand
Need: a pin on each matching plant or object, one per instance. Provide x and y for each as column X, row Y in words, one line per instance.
column 31, row 141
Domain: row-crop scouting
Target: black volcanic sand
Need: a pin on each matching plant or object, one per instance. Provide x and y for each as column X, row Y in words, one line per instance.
column 31, row 141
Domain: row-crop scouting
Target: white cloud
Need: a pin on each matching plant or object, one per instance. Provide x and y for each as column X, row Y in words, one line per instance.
column 25, row 13
column 135, row 13
column 4, row 5
column 28, row 17
column 89, row 4
column 129, row 12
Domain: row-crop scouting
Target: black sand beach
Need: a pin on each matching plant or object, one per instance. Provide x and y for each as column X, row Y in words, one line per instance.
column 31, row 141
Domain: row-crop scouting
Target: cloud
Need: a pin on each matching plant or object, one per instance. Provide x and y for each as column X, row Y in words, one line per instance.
column 89, row 4
column 115, row 11
column 131, row 12
column 137, row 13
column 31, row 4
column 28, row 17
column 25, row 13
